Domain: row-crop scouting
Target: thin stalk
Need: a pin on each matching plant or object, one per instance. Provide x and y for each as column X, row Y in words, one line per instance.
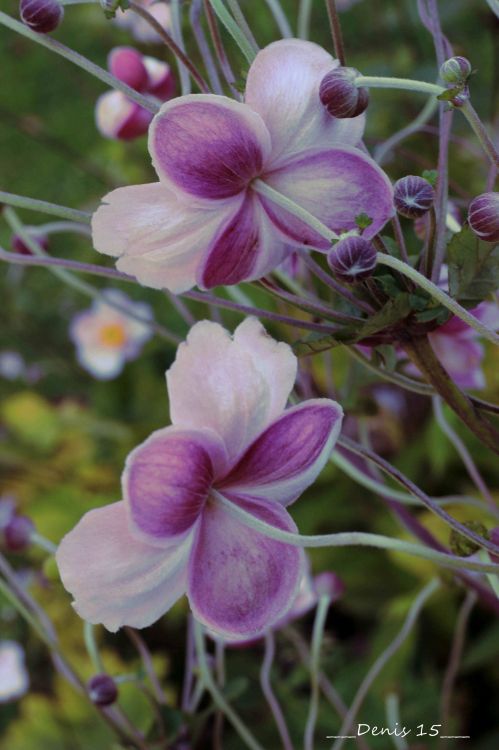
column 215, row 693
column 393, row 718
column 32, row 204
column 481, row 133
column 60, row 227
column 406, row 84
column 462, row 450
column 334, row 22
column 382, row 151
column 146, row 659
column 383, row 659
column 423, row 356
column 270, row 697
column 399, row 236
column 310, row 306
column 439, row 295
column 82, row 62
column 332, row 283
column 92, row 648
column 442, row 192
column 352, row 539
column 301, row 213
column 183, row 70
column 232, row 27
column 242, row 23
column 315, row 653
column 221, row 677
column 304, row 13
column 219, row 47
column 455, row 656
column 280, row 18
column 172, row 45
column 203, row 46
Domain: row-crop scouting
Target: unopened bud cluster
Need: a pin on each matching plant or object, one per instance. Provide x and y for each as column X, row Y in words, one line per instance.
column 339, row 94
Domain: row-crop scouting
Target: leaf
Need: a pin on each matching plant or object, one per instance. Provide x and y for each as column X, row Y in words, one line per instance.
column 314, row 344
column 395, row 309
column 473, row 267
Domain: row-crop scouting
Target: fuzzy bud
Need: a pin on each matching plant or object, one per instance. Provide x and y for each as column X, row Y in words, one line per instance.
column 102, row 690
column 455, row 70
column 41, row 15
column 17, row 533
column 352, row 259
column 413, row 196
column 339, row 94
column 483, row 216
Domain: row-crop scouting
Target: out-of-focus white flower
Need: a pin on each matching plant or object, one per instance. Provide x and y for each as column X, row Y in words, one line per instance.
column 106, row 338
column 12, row 365
column 138, row 27
column 14, row 680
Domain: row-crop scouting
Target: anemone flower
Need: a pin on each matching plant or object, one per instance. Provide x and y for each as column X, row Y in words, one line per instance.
column 231, row 438
column 205, row 221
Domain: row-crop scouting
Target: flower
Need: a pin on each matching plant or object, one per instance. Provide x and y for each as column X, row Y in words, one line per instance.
column 117, row 116
column 128, row 563
column 140, row 29
column 14, row 680
column 339, row 94
column 204, row 223
column 106, row 337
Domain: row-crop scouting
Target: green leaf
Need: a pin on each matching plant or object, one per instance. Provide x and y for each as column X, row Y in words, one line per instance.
column 473, row 267
column 430, row 175
column 363, row 221
column 314, row 344
column 392, row 312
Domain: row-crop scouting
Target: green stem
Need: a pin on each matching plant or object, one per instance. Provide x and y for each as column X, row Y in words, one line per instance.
column 407, row 84
column 315, row 653
column 304, row 13
column 233, row 29
column 215, row 693
column 301, row 213
column 243, row 24
column 383, row 659
column 351, row 539
column 32, row 204
column 91, row 646
column 478, row 128
column 423, row 356
column 439, row 295
column 80, row 61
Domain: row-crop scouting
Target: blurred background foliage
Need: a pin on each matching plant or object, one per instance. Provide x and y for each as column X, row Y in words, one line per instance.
column 63, row 440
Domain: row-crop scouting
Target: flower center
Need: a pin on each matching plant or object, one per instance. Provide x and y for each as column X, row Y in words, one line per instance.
column 113, row 335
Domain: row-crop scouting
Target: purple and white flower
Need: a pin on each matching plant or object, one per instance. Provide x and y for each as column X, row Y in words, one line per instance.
column 117, row 116
column 14, row 680
column 204, row 223
column 107, row 337
column 128, row 563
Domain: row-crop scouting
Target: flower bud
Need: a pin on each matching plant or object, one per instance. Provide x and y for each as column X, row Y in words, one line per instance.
column 102, row 690
column 339, row 94
column 18, row 245
column 17, row 533
column 329, row 584
column 460, row 97
column 118, row 117
column 413, row 196
column 455, row 70
column 41, row 15
column 483, row 216
column 127, row 65
column 352, row 259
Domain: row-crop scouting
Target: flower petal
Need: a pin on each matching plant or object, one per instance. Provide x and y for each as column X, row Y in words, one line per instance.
column 234, row 386
column 283, row 87
column 335, row 186
column 118, row 117
column 157, row 239
column 208, row 146
column 246, row 248
column 167, row 479
column 285, row 459
column 240, row 581
column 115, row 579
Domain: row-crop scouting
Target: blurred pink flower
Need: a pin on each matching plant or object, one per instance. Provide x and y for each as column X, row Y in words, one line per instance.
column 117, row 116
column 127, row 563
column 140, row 29
column 14, row 680
column 106, row 338
column 203, row 223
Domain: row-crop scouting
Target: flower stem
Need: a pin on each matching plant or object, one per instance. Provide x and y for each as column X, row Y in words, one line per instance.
column 352, row 539
column 315, row 652
column 407, row 84
column 82, row 62
column 269, row 694
column 334, row 22
column 301, row 213
column 183, row 70
column 231, row 26
column 384, row 658
column 215, row 693
column 478, row 128
column 32, row 204
column 420, row 351
column 439, row 295
column 280, row 18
